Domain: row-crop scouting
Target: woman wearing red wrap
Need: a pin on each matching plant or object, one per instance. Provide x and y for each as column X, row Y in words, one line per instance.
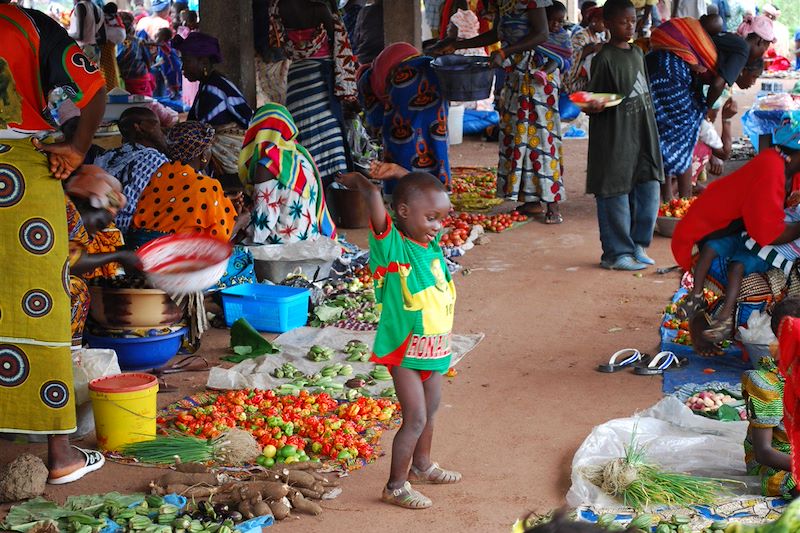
column 751, row 200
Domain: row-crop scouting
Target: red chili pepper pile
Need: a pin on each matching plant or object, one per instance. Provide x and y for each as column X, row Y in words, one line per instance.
column 315, row 423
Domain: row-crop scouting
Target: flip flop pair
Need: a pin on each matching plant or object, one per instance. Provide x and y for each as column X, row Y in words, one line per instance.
column 643, row 365
column 661, row 362
column 93, row 460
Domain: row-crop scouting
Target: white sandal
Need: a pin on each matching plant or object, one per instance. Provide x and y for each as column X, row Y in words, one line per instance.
column 94, row 461
column 631, row 355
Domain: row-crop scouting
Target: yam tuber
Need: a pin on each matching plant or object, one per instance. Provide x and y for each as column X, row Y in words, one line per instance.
column 310, row 493
column 268, row 490
column 191, row 468
column 261, row 509
column 280, row 508
column 181, row 478
column 246, row 510
column 299, row 478
column 302, row 505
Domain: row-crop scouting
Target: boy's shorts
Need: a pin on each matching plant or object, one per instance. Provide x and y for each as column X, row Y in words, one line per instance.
column 733, row 248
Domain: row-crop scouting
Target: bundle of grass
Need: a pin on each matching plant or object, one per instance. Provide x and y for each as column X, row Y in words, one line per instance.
column 640, row 485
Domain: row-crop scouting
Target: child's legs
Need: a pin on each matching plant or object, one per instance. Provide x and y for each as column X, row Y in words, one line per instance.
column 614, row 220
column 411, row 394
column 433, row 393
column 735, row 277
column 644, row 210
column 704, row 260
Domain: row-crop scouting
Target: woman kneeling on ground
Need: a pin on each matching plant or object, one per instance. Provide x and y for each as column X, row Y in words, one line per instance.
column 752, row 199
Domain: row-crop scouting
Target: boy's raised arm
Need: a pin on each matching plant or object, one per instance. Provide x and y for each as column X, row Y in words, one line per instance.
column 372, row 194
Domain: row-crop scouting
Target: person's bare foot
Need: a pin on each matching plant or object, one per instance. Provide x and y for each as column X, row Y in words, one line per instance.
column 62, row 458
column 697, row 327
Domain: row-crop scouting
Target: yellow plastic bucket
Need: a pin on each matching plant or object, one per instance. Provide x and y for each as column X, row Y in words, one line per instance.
column 124, row 407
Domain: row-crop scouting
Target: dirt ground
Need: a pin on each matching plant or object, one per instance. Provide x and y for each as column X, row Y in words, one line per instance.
column 524, row 400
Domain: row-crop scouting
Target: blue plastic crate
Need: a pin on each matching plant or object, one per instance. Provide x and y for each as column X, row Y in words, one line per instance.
column 270, row 308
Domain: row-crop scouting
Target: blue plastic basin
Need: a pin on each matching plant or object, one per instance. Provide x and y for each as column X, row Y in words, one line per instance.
column 140, row 353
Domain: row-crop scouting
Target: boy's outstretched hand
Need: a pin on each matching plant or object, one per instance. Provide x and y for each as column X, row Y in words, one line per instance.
column 372, row 195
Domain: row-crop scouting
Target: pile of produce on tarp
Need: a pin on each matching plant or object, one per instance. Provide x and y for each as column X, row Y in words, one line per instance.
column 290, row 428
column 331, row 360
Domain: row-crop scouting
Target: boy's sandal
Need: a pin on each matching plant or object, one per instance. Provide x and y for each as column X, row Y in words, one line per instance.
column 629, row 355
column 719, row 330
column 690, row 306
column 553, row 218
column 434, row 475
column 660, row 363
column 406, row 497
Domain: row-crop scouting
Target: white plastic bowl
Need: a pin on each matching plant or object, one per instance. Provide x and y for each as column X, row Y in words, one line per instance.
column 184, row 264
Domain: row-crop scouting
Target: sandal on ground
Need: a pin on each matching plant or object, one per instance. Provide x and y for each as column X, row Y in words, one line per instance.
column 690, row 306
column 719, row 330
column 553, row 218
column 406, row 497
column 94, row 460
column 629, row 356
column 660, row 363
column 530, row 209
column 624, row 262
column 434, row 475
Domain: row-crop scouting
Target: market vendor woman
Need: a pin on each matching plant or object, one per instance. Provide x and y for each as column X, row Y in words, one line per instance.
column 752, row 199
column 36, row 394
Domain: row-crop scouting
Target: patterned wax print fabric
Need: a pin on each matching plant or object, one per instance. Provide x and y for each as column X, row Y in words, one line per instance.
column 414, row 122
column 179, row 200
column 133, row 165
column 416, row 296
column 36, row 394
column 763, row 393
column 531, row 162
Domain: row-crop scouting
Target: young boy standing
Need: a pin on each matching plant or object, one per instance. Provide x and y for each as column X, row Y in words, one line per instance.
column 417, row 299
column 624, row 167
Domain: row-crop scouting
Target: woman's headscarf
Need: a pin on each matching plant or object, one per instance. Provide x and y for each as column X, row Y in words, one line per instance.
column 732, row 55
column 760, row 25
column 188, row 140
column 101, row 189
column 385, row 63
column 271, row 141
column 199, row 44
column 686, row 38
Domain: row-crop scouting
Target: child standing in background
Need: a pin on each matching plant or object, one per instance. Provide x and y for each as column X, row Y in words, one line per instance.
column 417, row 299
column 168, row 65
column 557, row 50
column 625, row 183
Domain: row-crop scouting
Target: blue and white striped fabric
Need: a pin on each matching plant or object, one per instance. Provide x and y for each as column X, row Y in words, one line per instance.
column 679, row 109
column 219, row 102
column 782, row 256
column 309, row 99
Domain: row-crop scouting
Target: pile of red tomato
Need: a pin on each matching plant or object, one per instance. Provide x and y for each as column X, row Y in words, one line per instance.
column 314, row 423
column 481, row 181
column 364, row 274
column 461, row 224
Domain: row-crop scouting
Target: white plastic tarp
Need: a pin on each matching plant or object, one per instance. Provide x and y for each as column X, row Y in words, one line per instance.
column 675, row 439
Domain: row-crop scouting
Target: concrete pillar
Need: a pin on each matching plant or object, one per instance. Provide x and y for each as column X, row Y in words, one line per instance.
column 232, row 24
column 402, row 21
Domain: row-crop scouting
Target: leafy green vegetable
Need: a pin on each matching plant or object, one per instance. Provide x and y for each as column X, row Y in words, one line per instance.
column 329, row 313
column 248, row 343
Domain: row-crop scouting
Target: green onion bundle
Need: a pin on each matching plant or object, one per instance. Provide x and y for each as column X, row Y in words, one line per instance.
column 641, row 485
column 172, row 448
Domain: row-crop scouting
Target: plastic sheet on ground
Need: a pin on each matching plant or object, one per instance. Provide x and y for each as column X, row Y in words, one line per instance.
column 675, row 439
column 322, row 248
column 257, row 373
